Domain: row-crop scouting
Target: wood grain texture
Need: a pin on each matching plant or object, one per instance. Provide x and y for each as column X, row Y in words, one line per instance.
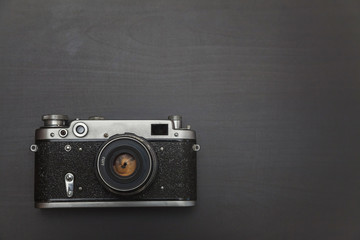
column 272, row 88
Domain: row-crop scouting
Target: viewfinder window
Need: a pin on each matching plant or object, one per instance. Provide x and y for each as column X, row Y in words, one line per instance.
column 159, row 129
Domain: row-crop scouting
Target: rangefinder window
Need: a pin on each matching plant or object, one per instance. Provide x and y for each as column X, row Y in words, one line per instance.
column 159, row 129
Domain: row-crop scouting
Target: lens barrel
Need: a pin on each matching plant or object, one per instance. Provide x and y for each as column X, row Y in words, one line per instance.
column 126, row 164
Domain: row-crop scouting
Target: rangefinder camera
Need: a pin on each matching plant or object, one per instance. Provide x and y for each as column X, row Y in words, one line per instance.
column 114, row 163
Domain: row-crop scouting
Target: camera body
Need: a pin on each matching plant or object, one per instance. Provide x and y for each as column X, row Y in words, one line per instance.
column 114, row 163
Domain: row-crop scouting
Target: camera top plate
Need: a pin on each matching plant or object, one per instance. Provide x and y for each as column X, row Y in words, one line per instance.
column 100, row 129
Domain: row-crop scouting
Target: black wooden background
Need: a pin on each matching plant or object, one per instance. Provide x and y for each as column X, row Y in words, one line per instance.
column 272, row 88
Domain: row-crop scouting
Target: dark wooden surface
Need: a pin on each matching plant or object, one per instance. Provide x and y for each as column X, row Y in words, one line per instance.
column 272, row 88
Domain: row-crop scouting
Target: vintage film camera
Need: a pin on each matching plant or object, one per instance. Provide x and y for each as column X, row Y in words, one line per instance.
column 114, row 163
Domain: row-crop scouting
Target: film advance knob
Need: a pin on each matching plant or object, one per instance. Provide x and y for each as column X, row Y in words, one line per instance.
column 55, row 120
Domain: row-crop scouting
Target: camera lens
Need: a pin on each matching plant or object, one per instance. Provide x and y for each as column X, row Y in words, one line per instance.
column 126, row 164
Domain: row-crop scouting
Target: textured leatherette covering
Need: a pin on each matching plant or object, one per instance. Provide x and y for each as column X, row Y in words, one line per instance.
column 175, row 178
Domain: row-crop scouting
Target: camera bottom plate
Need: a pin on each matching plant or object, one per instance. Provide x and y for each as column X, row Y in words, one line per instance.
column 116, row 204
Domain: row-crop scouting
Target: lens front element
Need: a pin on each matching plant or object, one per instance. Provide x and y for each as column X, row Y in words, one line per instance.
column 125, row 165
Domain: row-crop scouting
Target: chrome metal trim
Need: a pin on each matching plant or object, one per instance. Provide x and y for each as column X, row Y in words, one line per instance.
column 67, row 148
column 34, row 148
column 115, row 204
column 80, row 124
column 196, row 147
column 97, row 129
column 61, row 134
column 176, row 119
column 69, row 184
column 54, row 120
